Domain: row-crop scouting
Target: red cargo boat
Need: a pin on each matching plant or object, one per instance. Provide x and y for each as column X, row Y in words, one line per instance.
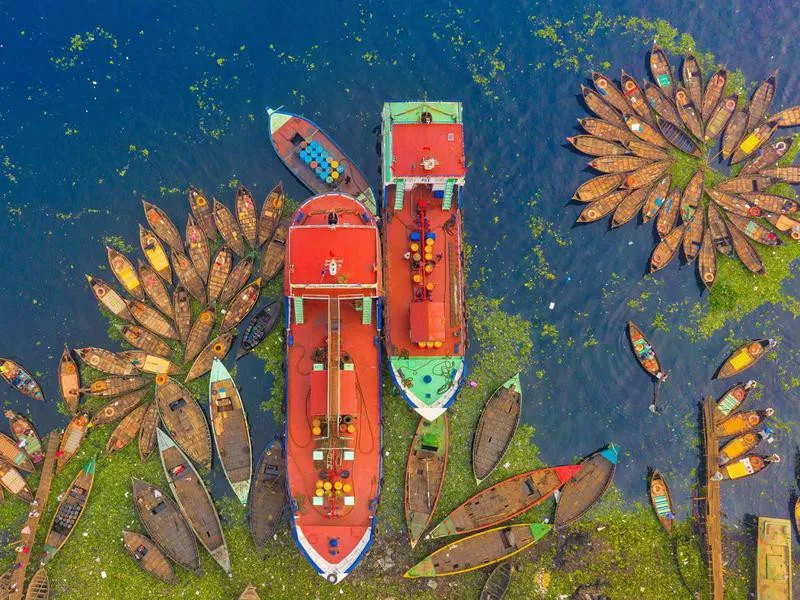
column 332, row 285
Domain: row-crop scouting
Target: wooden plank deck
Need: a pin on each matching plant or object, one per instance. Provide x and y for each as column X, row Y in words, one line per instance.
column 712, row 516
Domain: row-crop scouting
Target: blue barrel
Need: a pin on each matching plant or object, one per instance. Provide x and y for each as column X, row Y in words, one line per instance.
column 318, row 170
column 306, row 158
column 329, row 179
column 303, row 154
column 340, row 168
column 323, row 154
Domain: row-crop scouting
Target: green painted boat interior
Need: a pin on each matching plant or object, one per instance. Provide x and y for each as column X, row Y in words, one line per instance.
column 426, row 377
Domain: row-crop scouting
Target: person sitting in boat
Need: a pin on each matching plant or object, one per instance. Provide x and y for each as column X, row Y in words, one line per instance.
column 661, row 376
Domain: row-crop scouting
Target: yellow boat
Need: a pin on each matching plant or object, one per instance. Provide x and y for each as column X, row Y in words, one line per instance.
column 774, row 559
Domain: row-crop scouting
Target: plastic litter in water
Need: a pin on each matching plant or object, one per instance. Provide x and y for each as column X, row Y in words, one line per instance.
column 552, row 305
column 473, row 383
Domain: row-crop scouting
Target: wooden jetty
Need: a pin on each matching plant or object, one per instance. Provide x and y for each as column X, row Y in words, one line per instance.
column 712, row 512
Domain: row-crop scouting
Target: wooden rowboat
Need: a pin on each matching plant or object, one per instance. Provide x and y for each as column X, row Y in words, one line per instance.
column 24, row 432
column 661, row 70
column 742, row 422
column 105, row 361
column 127, row 429
column 774, row 559
column 216, row 348
column 228, row 228
column 596, row 104
column 761, row 100
column 605, row 130
column 147, row 432
column 789, row 117
column 182, row 309
column 690, row 199
column 773, row 203
column 272, row 259
column 241, row 305
column 732, row 400
column 236, row 280
column 425, row 469
column 188, row 276
column 784, row 224
column 618, row 164
column 755, row 230
column 148, row 556
column 479, row 550
column 594, row 146
column 595, row 188
column 767, row 156
column 601, row 207
column 504, row 500
column 150, row 363
column 268, row 494
column 663, row 106
column 162, row 225
column 69, row 511
column 586, row 488
column 789, row 174
column 497, row 583
column 746, row 253
column 643, row 351
column 733, row 203
column 154, row 289
column 609, row 91
column 155, row 254
column 140, row 338
column 19, row 379
column 14, row 483
column 199, row 334
column 747, row 465
column 692, row 78
column 118, row 407
column 753, row 141
column 201, row 210
column 742, row 444
column 194, row 500
column 71, row 440
column 114, row 386
column 742, row 184
column 12, row 454
column 39, row 586
column 246, row 215
column 635, row 97
column 677, row 137
column 109, row 298
column 259, row 327
column 629, row 207
column 693, row 238
column 714, row 89
column 197, row 247
column 165, row 524
column 719, row 118
column 688, row 113
column 720, row 234
column 69, row 380
column 271, row 212
column 707, row 260
column 656, row 198
column 667, row 248
column 496, row 427
column 249, row 593
column 733, row 132
column 218, row 274
column 647, row 150
column 645, row 132
column 661, row 500
column 668, row 215
column 184, row 420
column 647, row 175
column 745, row 356
column 152, row 320
column 124, row 271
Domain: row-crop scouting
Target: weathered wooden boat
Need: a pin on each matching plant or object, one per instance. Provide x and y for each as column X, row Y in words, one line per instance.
column 767, row 156
column 690, row 116
column 154, row 289
column 742, row 444
column 425, row 469
column 643, row 351
column 247, row 215
column 150, row 363
column 216, row 348
column 720, row 234
column 118, row 407
column 228, row 228
column 677, row 137
column 661, row 500
column 661, row 70
column 147, row 431
column 755, row 230
column 618, row 164
column 105, row 361
column 69, row 511
column 719, row 118
column 747, row 465
column 745, row 356
column 635, row 97
column 692, row 78
column 201, row 210
column 69, row 380
column 594, row 146
column 609, row 92
column 199, row 335
column 597, row 187
column 182, row 309
column 742, row 422
column 753, row 141
column 188, row 276
column 647, row 175
column 109, row 387
column 241, row 305
column 605, row 130
column 695, row 230
column 268, row 494
column 14, row 483
column 271, row 212
column 197, row 247
column 479, row 550
column 733, row 203
column 125, row 272
column 496, row 427
column 127, row 429
column 732, row 400
column 771, row 202
column 14, row 455
column 746, row 253
column 194, row 500
column 72, row 439
column 140, row 338
column 497, row 583
column 152, row 320
column 148, row 556
column 646, row 150
column 788, row 117
column 218, row 274
column 504, row 500
column 713, row 93
column 249, row 593
column 656, row 198
column 707, row 260
column 587, row 486
column 596, row 104
column 668, row 215
column 184, row 420
column 299, row 142
column 259, row 327
column 645, row 132
column 774, row 559
column 741, row 184
column 164, row 523
column 23, row 431
column 784, row 224
column 629, row 207
column 661, row 105
column 155, row 254
column 236, row 280
column 162, row 225
column 109, row 298
column 761, row 100
column 734, row 132
column 272, row 259
column 790, row 174
column 39, row 586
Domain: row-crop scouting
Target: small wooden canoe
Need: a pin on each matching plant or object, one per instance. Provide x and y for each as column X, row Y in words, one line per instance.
column 220, row 269
column 784, row 224
column 496, row 427
column 504, row 500
column 755, row 230
column 148, row 556
column 690, row 199
column 259, row 327
column 497, row 583
column 105, row 361
column 690, row 116
column 425, row 469
column 663, row 106
column 747, row 465
column 71, row 440
column 677, row 137
column 647, row 175
column 109, row 298
column 761, row 100
column 39, row 586
column 668, row 215
column 155, row 254
column 720, row 234
column 789, row 117
column 268, row 494
column 182, row 309
column 117, row 385
column 249, row 593
column 742, row 422
column 661, row 70
column 707, row 260
column 745, row 357
column 586, row 488
column 241, row 305
column 18, row 378
column 618, row 164
column 12, row 454
column 597, row 105
column 743, row 184
column 124, row 271
column 150, row 363
column 767, row 156
column 152, row 320
column 661, row 500
column 609, row 92
column 647, row 150
column 188, row 276
column 629, row 207
column 753, row 141
column 692, row 78
column 194, row 500
column 643, row 351
column 127, row 429
column 591, row 190
column 237, row 279
column 199, row 334
column 719, row 118
column 667, row 248
column 164, row 523
column 602, row 207
column 746, row 253
column 732, row 203
column 773, row 203
column 154, row 289
column 216, row 348
column 789, row 174
column 69, row 511
column 733, row 132
column 742, row 444
column 69, row 380
column 184, row 420
column 479, row 550
column 272, row 259
column 118, row 407
column 774, row 559
column 656, row 198
column 713, row 93
column 201, row 210
column 229, row 228
column 162, row 225
column 197, row 247
column 635, row 97
column 246, row 215
column 23, row 431
column 605, row 130
column 14, row 483
column 594, row 146
column 140, row 338
column 693, row 238
column 732, row 400
column 271, row 213
column 147, row 432
column 645, row 132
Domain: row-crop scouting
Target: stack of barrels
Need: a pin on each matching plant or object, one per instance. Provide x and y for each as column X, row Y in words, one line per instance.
column 325, row 166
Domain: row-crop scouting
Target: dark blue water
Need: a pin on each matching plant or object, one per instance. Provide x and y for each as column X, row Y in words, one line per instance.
column 189, row 87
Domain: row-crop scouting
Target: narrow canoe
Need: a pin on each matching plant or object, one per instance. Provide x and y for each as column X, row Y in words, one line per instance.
column 479, row 550
column 155, row 254
column 755, row 230
column 767, row 156
column 216, row 348
column 771, row 202
column 271, row 212
column 154, row 289
column 188, row 276
column 753, row 141
column 605, row 130
column 761, row 100
column 497, row 583
column 609, row 91
column 23, row 431
column 597, row 105
column 784, row 224
column 117, row 385
column 259, row 327
column 124, row 271
column 742, row 444
column 140, row 338
column 746, row 253
column 148, row 556
column 194, row 500
column 105, row 361
column 745, row 357
column 496, row 427
column 69, row 380
column 118, row 407
column 733, row 203
column 201, row 210
column 789, row 174
column 230, row 430
column 150, row 363
column 635, row 97
column 425, row 469
column 663, row 106
column 246, row 215
column 647, row 175
column 677, row 137
column 668, row 215
column 197, row 247
column 661, row 500
column 747, row 465
column 71, row 440
column 742, row 422
column 789, row 117
column 720, row 234
column 218, row 274
column 688, row 113
column 504, row 500
column 147, row 432
column 69, row 511
column 629, row 207
column 236, row 280
column 12, row 454
column 162, row 225
column 165, row 524
column 272, row 259
column 184, row 420
column 249, row 593
column 109, row 298
column 656, row 198
column 713, row 93
column 692, row 78
column 647, row 150
column 707, row 260
column 597, row 187
column 643, row 351
column 693, row 238
column 719, row 118
column 594, row 146
column 199, row 335
column 182, row 309
column 733, row 132
column 618, row 164
column 661, row 70
column 14, row 483
column 645, row 132
column 228, row 228
column 774, row 559
column 586, row 488
column 690, row 199
column 602, row 206
column 268, row 494
column 152, row 320
column 39, row 586
column 741, row 184
column 241, row 305
column 127, row 429
column 732, row 400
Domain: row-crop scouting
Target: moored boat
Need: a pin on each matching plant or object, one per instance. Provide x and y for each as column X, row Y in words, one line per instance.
column 618, row 164
column 693, row 238
column 228, row 227
column 742, row 444
column 774, row 559
column 127, row 429
column 155, row 254
column 25, row 434
column 271, row 212
column 692, row 78
column 18, row 378
column 14, row 455
column 742, row 184
column 629, row 207
column 745, row 357
column 753, row 141
column 109, row 298
column 761, row 100
column 661, row 70
column 69, row 380
column 69, row 511
column 719, row 118
column 140, row 338
column 647, row 150
column 220, row 269
column 755, row 230
column 249, row 593
column 39, row 586
column 732, row 400
column 645, row 132
column 201, row 210
column 259, row 327
column 273, row 257
column 124, row 271
column 247, row 215
column 713, row 92
column 496, row 427
column 268, row 494
column 241, row 305
column 148, row 556
column 587, row 486
column 605, row 130
column 154, row 289
column 656, row 198
column 668, row 215
column 150, row 363
column 425, row 469
column 14, row 483
column 789, row 117
column 105, row 361
column 152, row 320
column 609, row 91
column 162, row 225
column 594, row 146
column 707, row 260
column 767, row 156
column 237, row 279
column 602, row 207
column 598, row 187
column 746, row 253
column 741, row 422
column 199, row 334
column 497, row 583
column 677, row 137
column 597, row 105
column 790, row 174
column 688, row 113
column 188, row 276
column 643, row 351
column 184, row 420
column 216, row 348
column 667, row 248
column 734, row 131
column 661, row 500
column 773, row 203
column 72, row 439
column 720, row 234
column 663, row 107
column 635, row 97
column 647, row 174
column 747, row 465
column 785, row 224
column 182, row 309
column 118, row 407
column 147, row 431
column 197, row 247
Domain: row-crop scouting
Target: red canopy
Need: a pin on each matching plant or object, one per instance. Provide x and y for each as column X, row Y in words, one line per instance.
column 427, row 322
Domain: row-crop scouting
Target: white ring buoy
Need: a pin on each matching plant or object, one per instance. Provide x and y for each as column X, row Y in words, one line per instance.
column 95, row 360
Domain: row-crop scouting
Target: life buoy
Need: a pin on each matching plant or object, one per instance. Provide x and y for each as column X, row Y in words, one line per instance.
column 754, row 349
column 161, row 379
column 753, row 419
column 708, row 277
column 754, row 211
column 109, row 411
column 756, row 462
column 591, row 214
column 200, row 201
column 630, row 86
column 205, row 317
column 750, row 438
column 680, row 96
column 94, row 360
column 657, row 488
column 601, row 83
column 730, row 104
column 69, row 368
column 780, row 145
column 738, row 393
column 795, row 235
column 218, row 349
column 101, row 291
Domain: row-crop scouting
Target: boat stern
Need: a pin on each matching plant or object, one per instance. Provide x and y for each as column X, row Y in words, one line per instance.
column 423, row 568
column 242, row 491
column 611, row 453
column 428, row 384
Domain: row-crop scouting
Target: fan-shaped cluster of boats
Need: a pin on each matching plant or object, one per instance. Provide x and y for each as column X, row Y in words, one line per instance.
column 635, row 136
